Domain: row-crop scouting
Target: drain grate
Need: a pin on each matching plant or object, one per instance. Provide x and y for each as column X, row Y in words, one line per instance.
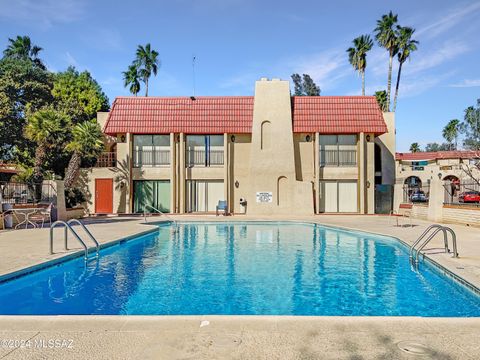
column 414, row 348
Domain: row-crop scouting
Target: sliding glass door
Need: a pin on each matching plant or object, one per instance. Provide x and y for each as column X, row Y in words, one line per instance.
column 154, row 193
column 338, row 196
column 203, row 195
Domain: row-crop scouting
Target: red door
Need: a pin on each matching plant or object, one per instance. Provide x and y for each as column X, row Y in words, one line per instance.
column 104, row 196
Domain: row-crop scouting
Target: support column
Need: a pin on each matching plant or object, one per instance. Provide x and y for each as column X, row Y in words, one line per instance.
column 316, row 166
column 129, row 191
column 435, row 200
column 182, row 173
column 370, row 173
column 226, row 164
column 361, row 173
column 173, row 175
column 60, row 203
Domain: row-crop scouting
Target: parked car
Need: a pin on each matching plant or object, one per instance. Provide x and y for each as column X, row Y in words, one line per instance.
column 469, row 197
column 418, row 196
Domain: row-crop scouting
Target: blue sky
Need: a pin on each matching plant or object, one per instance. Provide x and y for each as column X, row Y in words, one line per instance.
column 238, row 41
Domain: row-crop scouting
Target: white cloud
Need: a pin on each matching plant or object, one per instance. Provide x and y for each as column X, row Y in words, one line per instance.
column 447, row 21
column 70, row 60
column 42, row 12
column 467, row 83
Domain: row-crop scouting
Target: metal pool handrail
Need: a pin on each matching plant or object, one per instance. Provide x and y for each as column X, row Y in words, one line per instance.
column 160, row 212
column 67, row 227
column 76, row 221
column 415, row 253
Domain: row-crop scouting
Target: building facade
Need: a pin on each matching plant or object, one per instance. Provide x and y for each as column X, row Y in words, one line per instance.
column 270, row 153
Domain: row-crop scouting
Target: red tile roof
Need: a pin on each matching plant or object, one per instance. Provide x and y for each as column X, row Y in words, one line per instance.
column 157, row 115
column 234, row 114
column 434, row 155
column 337, row 114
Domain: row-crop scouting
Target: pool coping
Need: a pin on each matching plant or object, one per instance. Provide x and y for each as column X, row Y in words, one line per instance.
column 50, row 263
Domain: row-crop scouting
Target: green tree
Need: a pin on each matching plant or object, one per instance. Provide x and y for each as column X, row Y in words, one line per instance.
column 387, row 38
column 432, row 147
column 131, row 79
column 78, row 95
column 43, row 127
column 87, row 142
column 298, row 85
column 357, row 55
column 24, row 88
column 415, row 147
column 381, row 97
column 305, row 86
column 471, row 127
column 406, row 45
column 147, row 62
column 450, row 133
column 22, row 48
column 309, row 86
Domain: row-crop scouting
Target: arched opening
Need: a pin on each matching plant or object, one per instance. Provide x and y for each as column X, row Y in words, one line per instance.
column 413, row 182
column 282, row 191
column 412, row 185
column 452, row 188
column 265, row 135
column 451, row 178
column 378, row 164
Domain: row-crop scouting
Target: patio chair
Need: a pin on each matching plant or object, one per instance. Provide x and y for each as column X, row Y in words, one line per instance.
column 222, row 205
column 40, row 215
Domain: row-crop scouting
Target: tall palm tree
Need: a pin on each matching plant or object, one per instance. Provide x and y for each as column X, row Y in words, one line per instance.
column 131, row 78
column 450, row 133
column 357, row 55
column 387, row 38
column 22, row 48
column 406, row 45
column 87, row 142
column 415, row 147
column 147, row 62
column 43, row 127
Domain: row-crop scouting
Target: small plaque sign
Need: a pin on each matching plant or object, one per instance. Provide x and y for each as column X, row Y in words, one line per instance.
column 264, row 197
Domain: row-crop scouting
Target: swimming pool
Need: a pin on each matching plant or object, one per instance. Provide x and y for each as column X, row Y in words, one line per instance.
column 243, row 268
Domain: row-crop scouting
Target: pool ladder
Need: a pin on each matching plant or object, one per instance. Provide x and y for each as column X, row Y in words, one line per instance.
column 68, row 226
column 431, row 231
column 161, row 213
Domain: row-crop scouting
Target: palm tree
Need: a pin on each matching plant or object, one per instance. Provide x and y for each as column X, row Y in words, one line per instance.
column 415, row 148
column 131, row 78
column 43, row 127
column 147, row 62
column 450, row 133
column 87, row 142
column 22, row 48
column 357, row 55
column 387, row 38
column 381, row 97
column 406, row 45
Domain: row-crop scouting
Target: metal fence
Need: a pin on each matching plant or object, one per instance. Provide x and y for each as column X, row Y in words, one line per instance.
column 151, row 158
column 462, row 193
column 338, row 157
column 26, row 193
column 416, row 193
column 204, row 158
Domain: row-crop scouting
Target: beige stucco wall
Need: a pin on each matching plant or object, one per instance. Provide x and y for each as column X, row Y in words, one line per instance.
column 387, row 145
column 240, row 156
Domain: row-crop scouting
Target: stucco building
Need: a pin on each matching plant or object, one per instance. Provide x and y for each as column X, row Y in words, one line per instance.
column 270, row 153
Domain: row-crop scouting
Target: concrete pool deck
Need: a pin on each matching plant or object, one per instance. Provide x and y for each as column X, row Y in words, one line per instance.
column 273, row 337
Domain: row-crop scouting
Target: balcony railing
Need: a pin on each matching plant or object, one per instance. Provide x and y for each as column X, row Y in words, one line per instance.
column 338, row 157
column 203, row 158
column 151, row 158
column 107, row 159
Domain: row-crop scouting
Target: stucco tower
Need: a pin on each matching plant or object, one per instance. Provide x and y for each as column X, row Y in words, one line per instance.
column 273, row 188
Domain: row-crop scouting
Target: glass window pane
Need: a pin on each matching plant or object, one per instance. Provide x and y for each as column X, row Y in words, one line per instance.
column 142, row 140
column 195, row 141
column 347, row 139
column 216, row 140
column 161, row 140
column 328, row 139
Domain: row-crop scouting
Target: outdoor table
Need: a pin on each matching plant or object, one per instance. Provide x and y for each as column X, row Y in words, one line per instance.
column 25, row 212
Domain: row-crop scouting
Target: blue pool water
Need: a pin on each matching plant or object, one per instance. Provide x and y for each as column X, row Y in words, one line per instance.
column 243, row 268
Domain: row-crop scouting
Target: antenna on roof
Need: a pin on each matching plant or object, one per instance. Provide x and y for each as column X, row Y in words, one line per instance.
column 193, row 75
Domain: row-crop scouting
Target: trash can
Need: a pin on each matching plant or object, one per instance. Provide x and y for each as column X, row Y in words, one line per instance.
column 8, row 217
column 243, row 206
